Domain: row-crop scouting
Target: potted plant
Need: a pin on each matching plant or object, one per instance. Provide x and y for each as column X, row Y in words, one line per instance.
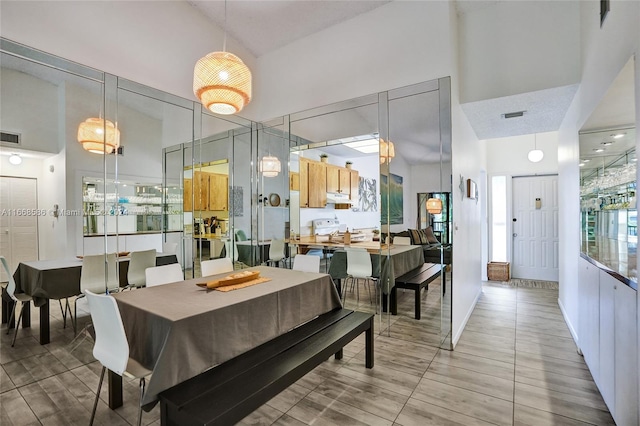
column 324, row 158
column 348, row 164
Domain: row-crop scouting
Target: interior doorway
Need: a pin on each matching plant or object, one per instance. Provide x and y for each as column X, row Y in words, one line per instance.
column 535, row 228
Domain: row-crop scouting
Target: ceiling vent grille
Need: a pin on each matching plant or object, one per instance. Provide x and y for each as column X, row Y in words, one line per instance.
column 513, row 114
column 8, row 138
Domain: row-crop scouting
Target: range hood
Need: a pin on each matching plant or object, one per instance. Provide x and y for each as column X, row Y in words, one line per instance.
column 336, row 198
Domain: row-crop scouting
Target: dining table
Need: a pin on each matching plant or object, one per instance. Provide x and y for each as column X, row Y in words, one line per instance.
column 180, row 330
column 57, row 279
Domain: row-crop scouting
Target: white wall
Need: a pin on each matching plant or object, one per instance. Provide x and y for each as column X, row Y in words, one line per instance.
column 518, row 47
column 605, row 51
column 508, row 156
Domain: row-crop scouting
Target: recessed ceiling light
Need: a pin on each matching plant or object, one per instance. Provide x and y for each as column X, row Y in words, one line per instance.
column 581, row 164
column 618, row 135
column 634, row 159
column 586, row 160
column 599, row 150
column 606, row 143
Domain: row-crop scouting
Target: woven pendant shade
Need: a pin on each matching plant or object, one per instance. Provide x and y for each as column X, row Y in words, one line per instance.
column 387, row 151
column 222, row 82
column 91, row 136
column 270, row 166
column 434, row 205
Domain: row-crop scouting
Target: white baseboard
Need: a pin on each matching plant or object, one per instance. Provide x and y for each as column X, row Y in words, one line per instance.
column 456, row 337
column 573, row 332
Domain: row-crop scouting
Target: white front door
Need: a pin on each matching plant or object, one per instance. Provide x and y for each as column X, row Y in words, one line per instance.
column 535, row 228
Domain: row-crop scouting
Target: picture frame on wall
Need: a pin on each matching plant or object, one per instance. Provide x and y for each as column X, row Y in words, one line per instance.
column 472, row 189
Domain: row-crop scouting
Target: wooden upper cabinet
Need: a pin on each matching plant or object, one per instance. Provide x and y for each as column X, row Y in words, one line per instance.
column 333, row 178
column 355, row 185
column 218, row 191
column 200, row 191
column 317, row 184
column 304, row 182
column 345, row 180
column 294, row 181
column 187, row 194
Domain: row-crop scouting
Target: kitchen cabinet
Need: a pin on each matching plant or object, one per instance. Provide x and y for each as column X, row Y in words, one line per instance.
column 589, row 315
column 606, row 380
column 188, row 194
column 200, row 191
column 625, row 356
column 354, row 178
column 313, row 183
column 218, row 191
column 333, row 178
column 294, row 181
column 304, row 181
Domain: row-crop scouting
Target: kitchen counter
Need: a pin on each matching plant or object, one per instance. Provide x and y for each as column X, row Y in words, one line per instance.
column 312, row 241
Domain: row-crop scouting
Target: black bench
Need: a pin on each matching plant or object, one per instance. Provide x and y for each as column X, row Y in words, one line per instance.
column 416, row 279
column 229, row 392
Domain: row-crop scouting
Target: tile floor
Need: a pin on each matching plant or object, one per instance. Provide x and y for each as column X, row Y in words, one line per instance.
column 515, row 364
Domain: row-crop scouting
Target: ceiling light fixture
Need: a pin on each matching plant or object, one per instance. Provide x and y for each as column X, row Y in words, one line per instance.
column 434, row 205
column 387, row 151
column 221, row 80
column 535, row 155
column 581, row 164
column 586, row 160
column 606, row 143
column 599, row 149
column 15, row 159
column 91, row 134
column 618, row 135
column 270, row 166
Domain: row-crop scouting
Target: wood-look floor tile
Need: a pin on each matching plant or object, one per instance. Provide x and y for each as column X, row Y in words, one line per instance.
column 555, row 330
column 505, row 332
column 483, row 365
column 287, row 420
column 264, row 416
column 420, row 413
column 479, row 338
column 559, row 383
column 392, row 380
column 463, row 401
column 506, row 317
column 14, row 410
column 372, row 399
column 486, row 351
column 527, row 416
column 536, row 337
column 496, row 307
column 5, row 381
column 471, row 380
column 562, row 404
column 288, row 397
column 553, row 365
column 550, row 351
column 317, row 409
column 396, row 359
column 312, row 379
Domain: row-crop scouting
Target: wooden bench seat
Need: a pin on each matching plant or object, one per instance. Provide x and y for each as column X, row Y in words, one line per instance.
column 227, row 393
column 416, row 280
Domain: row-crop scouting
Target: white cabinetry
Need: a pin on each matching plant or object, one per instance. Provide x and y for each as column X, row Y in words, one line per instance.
column 608, row 333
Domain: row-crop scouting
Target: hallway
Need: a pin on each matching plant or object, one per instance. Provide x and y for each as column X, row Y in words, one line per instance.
column 515, row 364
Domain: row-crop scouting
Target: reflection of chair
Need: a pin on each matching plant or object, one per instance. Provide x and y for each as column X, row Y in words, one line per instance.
column 15, row 297
column 227, row 248
column 164, row 274
column 306, row 263
column 358, row 268
column 402, row 241
column 140, row 260
column 92, row 278
column 216, row 266
column 276, row 252
column 240, row 235
column 111, row 348
column 169, row 248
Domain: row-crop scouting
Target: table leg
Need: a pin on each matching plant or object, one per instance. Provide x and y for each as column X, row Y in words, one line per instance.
column 6, row 313
column 369, row 345
column 44, row 323
column 115, row 390
column 393, row 302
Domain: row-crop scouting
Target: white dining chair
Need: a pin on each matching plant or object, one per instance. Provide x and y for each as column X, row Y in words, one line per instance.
column 306, row 263
column 22, row 298
column 216, row 266
column 164, row 274
column 230, row 247
column 140, row 261
column 111, row 347
column 402, row 241
column 358, row 268
column 99, row 275
column 169, row 248
column 276, row 252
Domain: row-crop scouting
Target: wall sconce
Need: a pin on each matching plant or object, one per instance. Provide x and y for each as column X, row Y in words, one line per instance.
column 270, row 166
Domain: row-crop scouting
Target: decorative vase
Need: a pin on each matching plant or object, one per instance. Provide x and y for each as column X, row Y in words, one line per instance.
column 348, row 165
column 324, row 159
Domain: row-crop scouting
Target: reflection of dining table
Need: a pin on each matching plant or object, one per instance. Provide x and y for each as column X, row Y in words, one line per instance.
column 58, row 279
column 180, row 330
column 403, row 259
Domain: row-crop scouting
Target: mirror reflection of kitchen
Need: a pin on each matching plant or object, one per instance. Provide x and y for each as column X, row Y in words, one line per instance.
column 334, row 190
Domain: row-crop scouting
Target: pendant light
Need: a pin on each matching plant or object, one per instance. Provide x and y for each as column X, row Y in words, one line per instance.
column 535, row 155
column 91, row 134
column 221, row 80
column 387, row 151
column 270, row 166
column 15, row 159
column 434, row 205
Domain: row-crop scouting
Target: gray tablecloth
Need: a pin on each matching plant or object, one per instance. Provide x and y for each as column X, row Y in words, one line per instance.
column 57, row 279
column 403, row 259
column 180, row 330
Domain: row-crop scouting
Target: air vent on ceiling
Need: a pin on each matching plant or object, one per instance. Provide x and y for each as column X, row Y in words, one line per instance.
column 8, row 138
column 513, row 114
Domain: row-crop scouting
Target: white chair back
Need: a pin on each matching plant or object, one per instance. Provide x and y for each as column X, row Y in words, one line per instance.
column 170, row 248
column 94, row 271
column 306, row 263
column 111, row 347
column 11, row 287
column 164, row 274
column 140, row 261
column 216, row 266
column 227, row 247
column 276, row 250
column 402, row 241
column 358, row 263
